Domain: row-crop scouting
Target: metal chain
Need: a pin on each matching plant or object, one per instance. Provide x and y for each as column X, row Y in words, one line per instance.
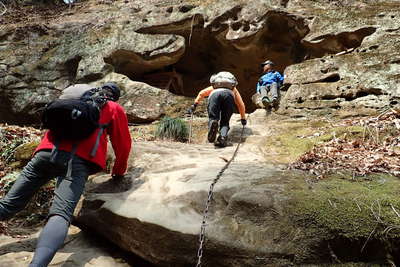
column 209, row 198
column 190, row 127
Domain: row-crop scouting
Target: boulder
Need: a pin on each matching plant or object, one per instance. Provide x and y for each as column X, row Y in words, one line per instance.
column 332, row 55
column 260, row 215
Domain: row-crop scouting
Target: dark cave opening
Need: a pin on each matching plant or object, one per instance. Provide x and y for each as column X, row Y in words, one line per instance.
column 209, row 50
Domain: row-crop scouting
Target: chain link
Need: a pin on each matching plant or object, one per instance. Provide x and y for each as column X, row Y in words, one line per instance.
column 208, row 203
column 190, row 127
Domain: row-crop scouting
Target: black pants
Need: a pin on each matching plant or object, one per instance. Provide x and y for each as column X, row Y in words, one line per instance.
column 220, row 108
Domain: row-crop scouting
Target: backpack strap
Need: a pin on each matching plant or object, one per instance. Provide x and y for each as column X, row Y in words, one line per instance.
column 54, row 151
column 69, row 168
column 99, row 134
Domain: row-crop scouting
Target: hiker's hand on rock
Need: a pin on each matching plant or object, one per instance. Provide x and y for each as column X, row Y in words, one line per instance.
column 243, row 121
column 192, row 108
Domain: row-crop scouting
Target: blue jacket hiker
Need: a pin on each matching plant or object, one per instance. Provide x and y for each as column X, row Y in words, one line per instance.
column 270, row 81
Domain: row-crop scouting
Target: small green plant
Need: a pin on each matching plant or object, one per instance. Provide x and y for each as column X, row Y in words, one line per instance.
column 172, row 128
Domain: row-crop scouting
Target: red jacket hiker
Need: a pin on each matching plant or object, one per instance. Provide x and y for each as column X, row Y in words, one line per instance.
column 118, row 131
column 71, row 173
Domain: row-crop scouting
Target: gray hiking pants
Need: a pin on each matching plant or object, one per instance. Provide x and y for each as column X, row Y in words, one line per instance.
column 38, row 172
column 273, row 87
column 220, row 107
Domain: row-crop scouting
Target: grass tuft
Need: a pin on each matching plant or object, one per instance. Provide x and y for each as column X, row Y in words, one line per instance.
column 173, row 129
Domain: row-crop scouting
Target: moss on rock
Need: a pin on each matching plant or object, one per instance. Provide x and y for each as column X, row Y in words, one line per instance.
column 351, row 209
column 291, row 138
column 352, row 217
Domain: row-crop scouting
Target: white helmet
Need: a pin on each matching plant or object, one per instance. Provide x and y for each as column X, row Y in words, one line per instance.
column 223, row 79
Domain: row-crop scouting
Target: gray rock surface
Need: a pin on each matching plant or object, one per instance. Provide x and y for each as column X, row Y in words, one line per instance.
column 261, row 213
column 335, row 56
column 157, row 211
column 79, row 250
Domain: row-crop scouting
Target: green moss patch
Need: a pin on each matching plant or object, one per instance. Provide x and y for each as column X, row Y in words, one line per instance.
column 291, row 139
column 350, row 209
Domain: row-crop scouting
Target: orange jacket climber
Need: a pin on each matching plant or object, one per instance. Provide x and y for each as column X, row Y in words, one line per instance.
column 236, row 95
column 222, row 96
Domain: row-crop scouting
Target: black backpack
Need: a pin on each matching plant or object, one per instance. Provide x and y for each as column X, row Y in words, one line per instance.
column 70, row 119
column 75, row 119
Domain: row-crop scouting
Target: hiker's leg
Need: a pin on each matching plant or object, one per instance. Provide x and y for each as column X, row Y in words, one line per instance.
column 264, row 95
column 226, row 113
column 50, row 240
column 66, row 196
column 69, row 189
column 214, row 107
column 275, row 95
column 274, row 91
column 263, row 91
column 36, row 173
column 214, row 113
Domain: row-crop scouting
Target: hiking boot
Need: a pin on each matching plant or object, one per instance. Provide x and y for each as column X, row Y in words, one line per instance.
column 212, row 132
column 221, row 141
column 275, row 103
column 265, row 101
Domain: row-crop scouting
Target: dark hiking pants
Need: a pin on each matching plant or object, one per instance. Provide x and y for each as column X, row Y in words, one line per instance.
column 220, row 107
column 38, row 172
column 273, row 87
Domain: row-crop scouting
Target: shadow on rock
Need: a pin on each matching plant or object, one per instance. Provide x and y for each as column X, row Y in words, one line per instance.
column 235, row 134
column 131, row 181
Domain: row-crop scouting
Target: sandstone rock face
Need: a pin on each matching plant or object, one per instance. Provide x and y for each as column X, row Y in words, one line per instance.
column 361, row 72
column 261, row 214
column 321, row 46
column 142, row 102
column 157, row 211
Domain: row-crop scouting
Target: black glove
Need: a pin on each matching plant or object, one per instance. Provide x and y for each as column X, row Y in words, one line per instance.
column 243, row 121
column 192, row 108
column 117, row 177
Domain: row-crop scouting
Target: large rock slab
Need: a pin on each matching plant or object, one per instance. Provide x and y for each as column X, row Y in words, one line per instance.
column 261, row 213
column 157, row 211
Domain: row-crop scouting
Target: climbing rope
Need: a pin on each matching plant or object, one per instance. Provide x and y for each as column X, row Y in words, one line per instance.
column 209, row 197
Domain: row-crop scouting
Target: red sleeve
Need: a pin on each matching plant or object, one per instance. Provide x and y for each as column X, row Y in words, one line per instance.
column 120, row 140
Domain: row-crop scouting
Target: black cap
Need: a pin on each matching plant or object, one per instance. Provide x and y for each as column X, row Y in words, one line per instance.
column 116, row 91
column 268, row 62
